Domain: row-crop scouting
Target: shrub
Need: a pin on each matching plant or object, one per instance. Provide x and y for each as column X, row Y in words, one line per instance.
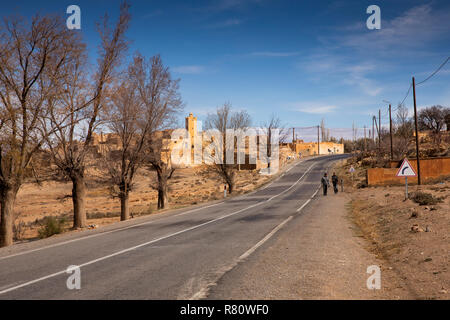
column 424, row 198
column 102, row 215
column 362, row 185
column 50, row 226
column 19, row 230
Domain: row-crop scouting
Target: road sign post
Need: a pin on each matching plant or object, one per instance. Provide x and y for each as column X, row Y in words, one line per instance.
column 406, row 170
column 351, row 170
column 406, row 188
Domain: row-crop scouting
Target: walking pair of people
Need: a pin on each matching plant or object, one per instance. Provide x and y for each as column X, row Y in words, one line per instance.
column 326, row 183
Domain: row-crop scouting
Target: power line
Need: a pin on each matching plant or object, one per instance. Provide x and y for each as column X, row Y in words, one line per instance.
column 437, row 70
column 407, row 94
column 429, row 77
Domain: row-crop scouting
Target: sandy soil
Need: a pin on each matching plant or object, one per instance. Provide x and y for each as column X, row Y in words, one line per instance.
column 315, row 256
column 324, row 253
column 420, row 259
column 188, row 186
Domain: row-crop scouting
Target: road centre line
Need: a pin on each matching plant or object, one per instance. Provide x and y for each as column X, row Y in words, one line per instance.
column 150, row 242
column 104, row 233
column 124, row 228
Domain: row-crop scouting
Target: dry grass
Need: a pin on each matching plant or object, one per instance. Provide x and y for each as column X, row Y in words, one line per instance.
column 188, row 186
column 385, row 219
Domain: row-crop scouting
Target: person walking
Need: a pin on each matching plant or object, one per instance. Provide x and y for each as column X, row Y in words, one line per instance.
column 325, row 183
column 335, row 180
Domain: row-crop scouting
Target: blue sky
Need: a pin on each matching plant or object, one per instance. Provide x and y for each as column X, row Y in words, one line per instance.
column 302, row 60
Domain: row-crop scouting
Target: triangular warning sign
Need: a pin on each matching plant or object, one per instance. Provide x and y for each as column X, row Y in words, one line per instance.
column 406, row 170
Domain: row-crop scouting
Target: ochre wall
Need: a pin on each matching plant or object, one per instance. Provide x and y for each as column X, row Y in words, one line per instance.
column 429, row 169
column 311, row 148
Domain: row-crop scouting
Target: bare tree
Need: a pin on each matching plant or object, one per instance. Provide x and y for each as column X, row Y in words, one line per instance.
column 224, row 119
column 240, row 121
column 268, row 131
column 433, row 119
column 33, row 59
column 403, row 133
column 71, row 145
column 161, row 100
column 325, row 132
column 126, row 119
column 159, row 159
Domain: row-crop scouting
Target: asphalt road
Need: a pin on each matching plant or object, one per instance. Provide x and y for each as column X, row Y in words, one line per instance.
column 177, row 255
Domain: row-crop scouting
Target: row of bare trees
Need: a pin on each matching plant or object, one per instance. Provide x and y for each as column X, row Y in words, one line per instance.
column 144, row 102
column 51, row 102
column 223, row 119
column 36, row 61
column 239, row 121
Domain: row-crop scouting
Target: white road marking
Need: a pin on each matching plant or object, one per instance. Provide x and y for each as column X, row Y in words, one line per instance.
column 202, row 293
column 303, row 205
column 312, row 197
column 106, row 232
column 293, row 185
column 149, row 242
column 315, row 192
column 263, row 240
column 129, row 227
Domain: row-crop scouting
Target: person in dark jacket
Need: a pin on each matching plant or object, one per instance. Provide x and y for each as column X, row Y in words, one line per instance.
column 335, row 180
column 325, row 183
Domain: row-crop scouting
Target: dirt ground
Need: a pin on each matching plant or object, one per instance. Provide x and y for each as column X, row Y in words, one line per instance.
column 413, row 239
column 188, row 186
column 315, row 256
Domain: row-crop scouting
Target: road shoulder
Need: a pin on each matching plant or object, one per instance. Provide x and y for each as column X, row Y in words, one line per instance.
column 318, row 255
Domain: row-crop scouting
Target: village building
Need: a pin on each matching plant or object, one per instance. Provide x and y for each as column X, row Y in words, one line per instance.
column 105, row 142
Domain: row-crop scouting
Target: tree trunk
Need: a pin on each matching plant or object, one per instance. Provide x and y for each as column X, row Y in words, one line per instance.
column 230, row 186
column 78, row 198
column 162, row 196
column 8, row 198
column 124, row 207
column 163, row 174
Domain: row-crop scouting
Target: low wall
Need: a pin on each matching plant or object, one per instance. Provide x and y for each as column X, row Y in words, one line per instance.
column 430, row 169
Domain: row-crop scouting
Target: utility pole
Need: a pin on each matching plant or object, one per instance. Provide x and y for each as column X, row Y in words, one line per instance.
column 318, row 140
column 373, row 129
column 417, row 133
column 379, row 131
column 293, row 135
column 390, row 132
column 365, row 146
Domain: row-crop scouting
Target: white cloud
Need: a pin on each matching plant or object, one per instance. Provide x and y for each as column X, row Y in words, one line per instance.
column 274, row 54
column 313, row 107
column 324, row 67
column 223, row 5
column 414, row 28
column 192, row 69
column 226, row 23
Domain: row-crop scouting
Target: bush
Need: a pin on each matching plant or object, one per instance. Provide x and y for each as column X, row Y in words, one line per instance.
column 424, row 198
column 362, row 185
column 50, row 226
column 19, row 230
column 102, row 215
